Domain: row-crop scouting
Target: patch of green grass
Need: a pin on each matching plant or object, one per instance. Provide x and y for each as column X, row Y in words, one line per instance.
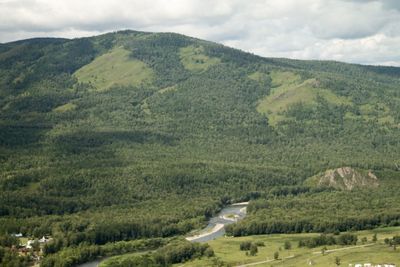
column 23, row 240
column 375, row 254
column 378, row 108
column 288, row 89
column 65, row 107
column 114, row 68
column 194, row 59
column 378, row 112
column 227, row 249
column 168, row 89
column 387, row 119
column 281, row 78
column 258, row 76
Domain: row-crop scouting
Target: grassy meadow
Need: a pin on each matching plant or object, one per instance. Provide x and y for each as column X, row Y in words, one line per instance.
column 227, row 250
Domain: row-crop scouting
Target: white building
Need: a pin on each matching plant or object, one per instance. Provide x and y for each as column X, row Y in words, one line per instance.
column 29, row 244
column 44, row 240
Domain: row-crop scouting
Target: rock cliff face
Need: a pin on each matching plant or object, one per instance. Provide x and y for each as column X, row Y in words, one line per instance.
column 346, row 178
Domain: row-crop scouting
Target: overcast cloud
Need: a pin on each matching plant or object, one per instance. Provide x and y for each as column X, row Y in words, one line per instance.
column 359, row 31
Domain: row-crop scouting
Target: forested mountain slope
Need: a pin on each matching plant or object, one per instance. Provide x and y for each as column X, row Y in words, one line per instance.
column 147, row 134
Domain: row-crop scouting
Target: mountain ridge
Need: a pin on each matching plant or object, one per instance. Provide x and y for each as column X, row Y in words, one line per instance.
column 395, row 69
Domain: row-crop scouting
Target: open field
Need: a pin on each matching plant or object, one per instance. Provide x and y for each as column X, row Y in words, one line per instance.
column 114, row 68
column 194, row 59
column 289, row 89
column 227, row 250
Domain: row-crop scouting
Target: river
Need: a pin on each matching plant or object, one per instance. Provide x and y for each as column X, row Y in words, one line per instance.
column 214, row 229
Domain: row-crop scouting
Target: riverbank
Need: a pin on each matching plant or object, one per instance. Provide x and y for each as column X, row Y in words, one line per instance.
column 215, row 227
column 240, row 204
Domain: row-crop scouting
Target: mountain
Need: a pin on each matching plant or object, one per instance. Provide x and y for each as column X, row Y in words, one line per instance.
column 133, row 135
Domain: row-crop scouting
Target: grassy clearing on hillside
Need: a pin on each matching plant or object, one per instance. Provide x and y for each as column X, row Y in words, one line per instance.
column 288, row 89
column 168, row 89
column 65, row 107
column 378, row 111
column 258, row 76
column 194, row 59
column 114, row 68
column 227, row 250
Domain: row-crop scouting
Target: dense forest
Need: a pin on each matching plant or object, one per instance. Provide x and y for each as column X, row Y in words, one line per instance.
column 133, row 135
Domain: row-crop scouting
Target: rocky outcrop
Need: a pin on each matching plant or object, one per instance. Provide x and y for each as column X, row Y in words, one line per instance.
column 346, row 178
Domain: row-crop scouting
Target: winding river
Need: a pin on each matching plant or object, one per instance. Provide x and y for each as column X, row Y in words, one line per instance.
column 214, row 229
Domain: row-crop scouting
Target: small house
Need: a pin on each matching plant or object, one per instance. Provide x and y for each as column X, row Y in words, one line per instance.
column 29, row 244
column 43, row 240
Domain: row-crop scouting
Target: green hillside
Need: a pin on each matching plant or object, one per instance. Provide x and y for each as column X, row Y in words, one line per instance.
column 114, row 68
column 289, row 89
column 133, row 135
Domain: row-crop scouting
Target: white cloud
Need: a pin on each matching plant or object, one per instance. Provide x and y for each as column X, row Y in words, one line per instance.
column 348, row 30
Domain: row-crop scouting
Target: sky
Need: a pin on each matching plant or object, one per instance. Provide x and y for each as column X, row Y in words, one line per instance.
column 356, row 31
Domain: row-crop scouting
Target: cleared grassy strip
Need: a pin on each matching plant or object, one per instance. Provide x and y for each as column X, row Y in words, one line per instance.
column 65, row 107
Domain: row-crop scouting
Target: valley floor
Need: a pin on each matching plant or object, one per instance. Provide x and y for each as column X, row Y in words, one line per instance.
column 227, row 251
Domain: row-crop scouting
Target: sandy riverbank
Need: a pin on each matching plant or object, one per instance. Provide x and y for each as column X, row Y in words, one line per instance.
column 229, row 218
column 240, row 204
column 215, row 229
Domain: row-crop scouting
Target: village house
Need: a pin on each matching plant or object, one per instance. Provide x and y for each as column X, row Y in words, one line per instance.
column 18, row 235
column 42, row 240
column 29, row 244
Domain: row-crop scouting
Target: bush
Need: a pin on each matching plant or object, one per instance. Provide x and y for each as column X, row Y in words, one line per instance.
column 260, row 243
column 209, row 252
column 287, row 245
column 343, row 240
column 245, row 245
column 253, row 249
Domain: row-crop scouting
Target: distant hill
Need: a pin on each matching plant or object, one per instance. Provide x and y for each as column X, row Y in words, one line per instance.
column 133, row 134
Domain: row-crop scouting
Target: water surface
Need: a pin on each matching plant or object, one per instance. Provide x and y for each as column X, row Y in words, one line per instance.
column 227, row 215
